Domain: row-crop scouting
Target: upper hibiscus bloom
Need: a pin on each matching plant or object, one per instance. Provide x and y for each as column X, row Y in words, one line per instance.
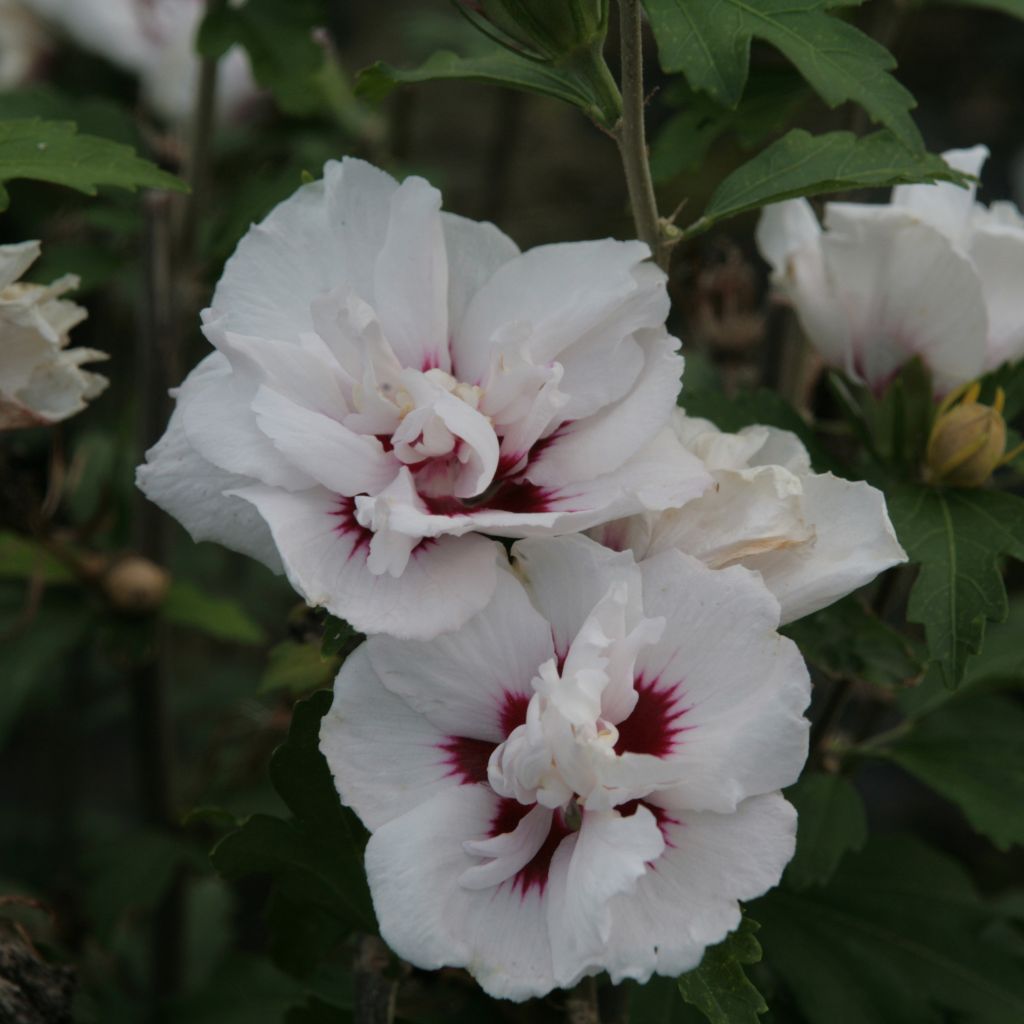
column 584, row 777
column 392, row 381
column 154, row 40
column 932, row 273
column 813, row 537
column 41, row 379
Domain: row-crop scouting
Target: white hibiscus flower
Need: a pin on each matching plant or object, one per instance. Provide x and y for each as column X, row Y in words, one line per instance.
column 584, row 777
column 932, row 273
column 813, row 537
column 154, row 40
column 392, row 382
column 41, row 379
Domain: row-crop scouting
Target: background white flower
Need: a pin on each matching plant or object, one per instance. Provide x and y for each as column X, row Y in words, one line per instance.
column 931, row 273
column 391, row 382
column 586, row 782
column 155, row 40
column 813, row 537
column 24, row 42
column 41, row 380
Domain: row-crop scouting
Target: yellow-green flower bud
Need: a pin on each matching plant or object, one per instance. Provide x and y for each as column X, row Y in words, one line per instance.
column 551, row 28
column 968, row 440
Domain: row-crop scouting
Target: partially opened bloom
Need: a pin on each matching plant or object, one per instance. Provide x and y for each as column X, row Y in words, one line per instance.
column 932, row 273
column 582, row 778
column 392, row 382
column 154, row 40
column 813, row 537
column 41, row 379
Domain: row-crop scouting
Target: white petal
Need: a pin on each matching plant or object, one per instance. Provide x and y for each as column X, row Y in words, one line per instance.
column 603, row 442
column 688, row 901
column 945, row 206
column 508, row 853
column 566, row 577
column 15, row 259
column 998, row 255
column 854, row 542
column 475, row 682
column 178, row 479
column 414, row 864
column 324, row 553
column 785, row 228
column 609, row 857
column 385, row 757
column 475, row 251
column 907, row 292
column 344, row 462
column 411, row 278
column 731, row 689
column 328, row 233
column 782, row 448
column 216, row 411
column 562, row 291
column 747, row 512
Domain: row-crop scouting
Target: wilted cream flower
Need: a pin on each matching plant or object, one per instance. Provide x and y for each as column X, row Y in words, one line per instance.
column 41, row 379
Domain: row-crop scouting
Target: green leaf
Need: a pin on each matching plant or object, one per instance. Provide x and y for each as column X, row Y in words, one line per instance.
column 22, row 559
column 298, row 668
column 897, row 932
column 848, row 641
column 719, row 987
column 497, row 68
column 315, row 858
column 187, row 606
column 958, row 538
column 769, row 103
column 285, row 57
column 972, row 752
column 801, row 164
column 709, row 41
column 53, row 151
column 831, row 822
column 339, row 637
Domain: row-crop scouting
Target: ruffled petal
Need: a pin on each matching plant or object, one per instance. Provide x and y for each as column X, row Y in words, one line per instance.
column 178, row 479
column 611, row 854
column 427, row 917
column 386, row 758
column 324, row 551
column 998, row 255
column 328, row 233
column 411, row 278
column 907, row 292
column 722, row 694
column 689, row 900
column 947, row 207
column 476, row 682
column 853, row 542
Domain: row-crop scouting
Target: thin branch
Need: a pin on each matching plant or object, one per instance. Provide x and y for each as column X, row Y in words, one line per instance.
column 631, row 136
column 581, row 1003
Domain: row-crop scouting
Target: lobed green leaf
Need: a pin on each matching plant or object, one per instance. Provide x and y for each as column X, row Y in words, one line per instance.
column 54, row 152
column 898, row 932
column 719, row 987
column 801, row 164
column 709, row 41
column 189, row 607
column 958, row 538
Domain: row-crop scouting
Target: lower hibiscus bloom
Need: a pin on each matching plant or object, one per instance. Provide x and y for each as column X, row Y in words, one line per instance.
column 584, row 777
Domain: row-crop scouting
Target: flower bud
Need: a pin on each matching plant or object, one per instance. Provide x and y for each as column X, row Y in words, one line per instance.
column 136, row 585
column 548, row 28
column 968, row 440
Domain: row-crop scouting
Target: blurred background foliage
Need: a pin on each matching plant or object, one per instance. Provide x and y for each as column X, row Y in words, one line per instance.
column 145, row 680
